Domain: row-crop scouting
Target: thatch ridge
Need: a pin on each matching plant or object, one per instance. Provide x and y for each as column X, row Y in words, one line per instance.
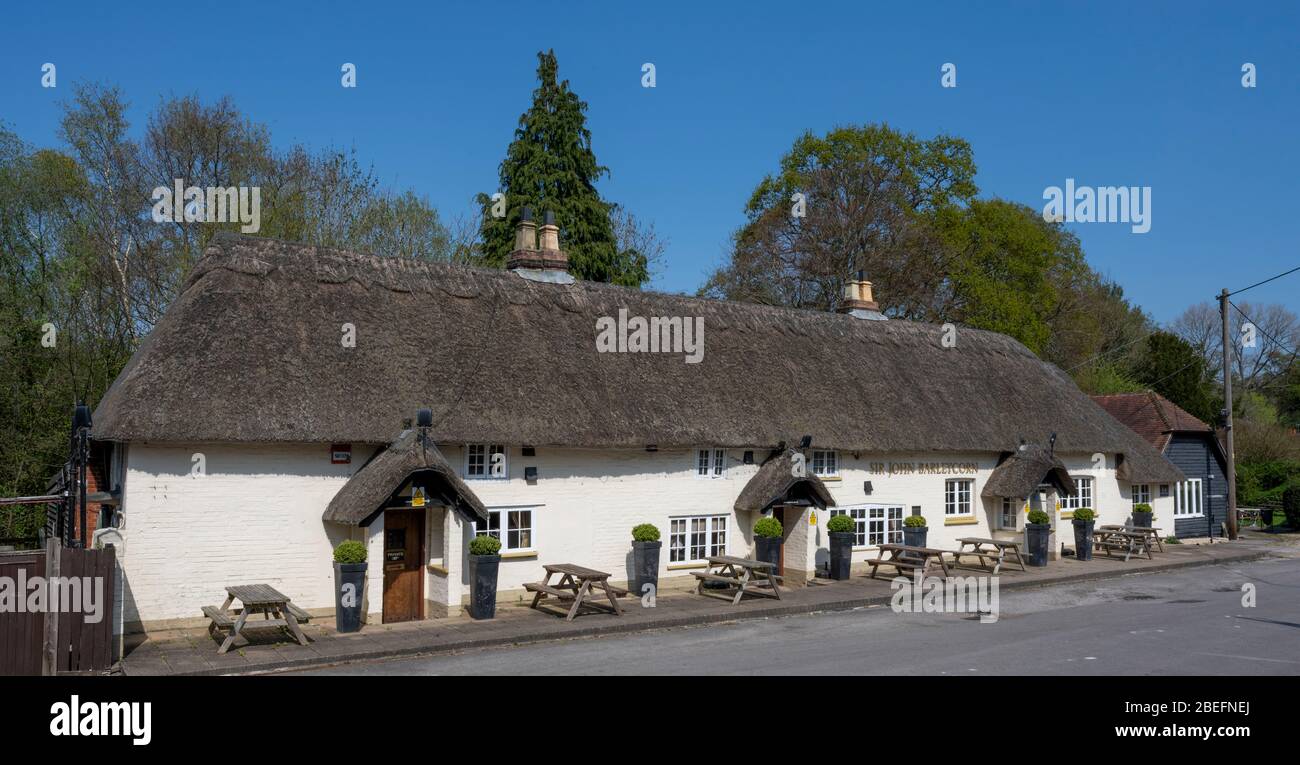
column 250, row 352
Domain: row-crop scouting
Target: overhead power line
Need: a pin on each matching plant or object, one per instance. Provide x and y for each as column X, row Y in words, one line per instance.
column 1266, row 281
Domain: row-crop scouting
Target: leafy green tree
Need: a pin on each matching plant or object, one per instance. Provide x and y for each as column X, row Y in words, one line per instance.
column 550, row 165
column 1173, row 368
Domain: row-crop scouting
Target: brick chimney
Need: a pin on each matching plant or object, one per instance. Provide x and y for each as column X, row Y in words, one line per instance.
column 858, row 301
column 547, row 263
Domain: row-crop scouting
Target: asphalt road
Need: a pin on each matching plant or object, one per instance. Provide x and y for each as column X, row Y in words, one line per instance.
column 1183, row 622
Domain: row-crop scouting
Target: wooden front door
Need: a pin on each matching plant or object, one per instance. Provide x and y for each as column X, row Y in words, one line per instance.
column 780, row 514
column 403, row 565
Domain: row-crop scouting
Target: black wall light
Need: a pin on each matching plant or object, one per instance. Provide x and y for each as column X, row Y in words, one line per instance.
column 805, row 442
column 530, row 474
column 749, row 458
column 424, row 418
column 530, row 451
column 866, row 487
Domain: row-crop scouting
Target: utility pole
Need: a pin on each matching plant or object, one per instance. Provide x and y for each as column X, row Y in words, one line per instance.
column 1227, row 407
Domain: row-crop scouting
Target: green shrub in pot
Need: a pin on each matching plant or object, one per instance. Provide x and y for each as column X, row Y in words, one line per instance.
column 645, row 559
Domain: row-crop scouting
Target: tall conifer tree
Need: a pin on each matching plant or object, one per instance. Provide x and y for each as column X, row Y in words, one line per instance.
column 550, row 166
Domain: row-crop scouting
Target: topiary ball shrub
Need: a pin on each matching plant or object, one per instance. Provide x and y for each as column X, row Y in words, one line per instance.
column 1038, row 516
column 645, row 532
column 769, row 528
column 840, row 524
column 484, row 545
column 914, row 521
column 350, row 552
column 1085, row 514
column 1143, row 507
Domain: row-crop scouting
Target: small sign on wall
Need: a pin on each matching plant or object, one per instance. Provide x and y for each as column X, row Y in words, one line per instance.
column 341, row 454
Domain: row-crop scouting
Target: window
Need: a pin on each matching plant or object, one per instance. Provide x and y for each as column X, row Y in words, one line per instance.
column 956, row 497
column 874, row 524
column 710, row 463
column 1141, row 493
column 482, row 461
column 1007, row 519
column 826, row 463
column 1082, row 496
column 518, row 528
column 1189, row 499
column 695, row 538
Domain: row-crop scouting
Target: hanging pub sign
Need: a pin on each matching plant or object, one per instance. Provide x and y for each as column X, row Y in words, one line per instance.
column 341, row 454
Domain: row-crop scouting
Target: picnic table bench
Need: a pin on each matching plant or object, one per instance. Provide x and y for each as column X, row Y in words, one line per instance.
column 579, row 584
column 262, row 599
column 745, row 575
column 1109, row 538
column 907, row 558
column 1150, row 532
column 994, row 551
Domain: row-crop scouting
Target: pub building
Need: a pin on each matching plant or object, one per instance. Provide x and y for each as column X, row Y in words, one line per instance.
column 272, row 414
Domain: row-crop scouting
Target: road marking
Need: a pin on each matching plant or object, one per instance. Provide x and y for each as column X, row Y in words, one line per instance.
column 1249, row 658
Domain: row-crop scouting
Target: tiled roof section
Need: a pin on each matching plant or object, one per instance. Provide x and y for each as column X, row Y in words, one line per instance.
column 1151, row 416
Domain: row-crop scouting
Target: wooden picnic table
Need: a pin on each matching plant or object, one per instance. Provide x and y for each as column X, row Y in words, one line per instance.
column 745, row 575
column 1108, row 538
column 1150, row 532
column 255, row 599
column 577, row 583
column 997, row 551
column 907, row 558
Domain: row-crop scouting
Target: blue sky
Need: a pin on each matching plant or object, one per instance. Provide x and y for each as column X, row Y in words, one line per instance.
column 1136, row 93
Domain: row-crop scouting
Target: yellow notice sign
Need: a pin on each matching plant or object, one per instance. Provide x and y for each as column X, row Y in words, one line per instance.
column 812, row 518
column 417, row 497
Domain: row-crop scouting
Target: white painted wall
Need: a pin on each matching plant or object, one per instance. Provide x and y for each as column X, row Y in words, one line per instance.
column 256, row 517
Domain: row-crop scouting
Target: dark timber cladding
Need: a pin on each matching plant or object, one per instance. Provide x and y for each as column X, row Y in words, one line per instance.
column 258, row 326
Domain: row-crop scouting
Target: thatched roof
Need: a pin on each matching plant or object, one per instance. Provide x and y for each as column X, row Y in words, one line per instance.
column 775, row 482
column 250, row 351
column 1019, row 474
column 369, row 489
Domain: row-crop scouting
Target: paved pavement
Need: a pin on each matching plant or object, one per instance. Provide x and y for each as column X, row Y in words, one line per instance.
column 1187, row 621
column 194, row 652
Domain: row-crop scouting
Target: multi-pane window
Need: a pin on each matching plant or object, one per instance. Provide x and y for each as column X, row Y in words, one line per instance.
column 957, row 497
column 695, row 538
column 485, row 461
column 710, row 463
column 1141, row 493
column 1007, row 519
column 1189, row 499
column 874, row 525
column 826, row 463
column 518, row 532
column 1082, row 496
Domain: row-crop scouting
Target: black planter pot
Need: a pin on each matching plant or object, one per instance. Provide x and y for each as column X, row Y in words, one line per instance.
column 349, row 585
column 914, row 536
column 645, row 567
column 1036, row 540
column 1083, row 539
column 841, row 554
column 1142, row 520
column 483, row 585
column 769, row 550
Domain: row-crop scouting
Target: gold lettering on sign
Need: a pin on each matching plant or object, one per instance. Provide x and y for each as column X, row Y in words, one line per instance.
column 924, row 468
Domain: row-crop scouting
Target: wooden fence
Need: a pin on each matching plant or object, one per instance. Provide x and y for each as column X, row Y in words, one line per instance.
column 65, row 640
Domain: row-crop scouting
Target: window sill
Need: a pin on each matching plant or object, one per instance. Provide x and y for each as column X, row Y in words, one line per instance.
column 434, row 568
column 960, row 521
column 518, row 555
column 830, row 478
column 687, row 566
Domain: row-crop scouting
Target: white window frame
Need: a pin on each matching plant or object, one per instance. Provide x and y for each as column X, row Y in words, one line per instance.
column 484, row 454
column 684, row 527
column 875, row 523
column 1140, row 493
column 825, row 456
column 507, row 514
column 953, row 490
column 1190, row 492
column 1081, row 498
column 710, row 463
column 1009, row 514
